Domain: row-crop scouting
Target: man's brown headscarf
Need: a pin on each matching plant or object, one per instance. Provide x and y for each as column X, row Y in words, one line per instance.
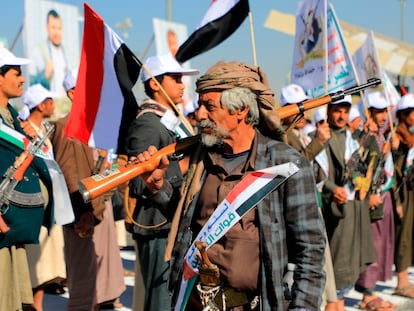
column 223, row 76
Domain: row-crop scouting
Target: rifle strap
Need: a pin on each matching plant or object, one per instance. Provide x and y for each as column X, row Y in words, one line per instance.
column 130, row 209
column 293, row 123
column 130, row 204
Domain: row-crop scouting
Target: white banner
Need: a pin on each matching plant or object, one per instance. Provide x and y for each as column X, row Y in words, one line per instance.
column 390, row 91
column 366, row 60
column 309, row 68
column 341, row 72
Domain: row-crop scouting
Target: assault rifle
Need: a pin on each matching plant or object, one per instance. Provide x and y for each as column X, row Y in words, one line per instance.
column 96, row 185
column 15, row 174
column 379, row 175
column 357, row 170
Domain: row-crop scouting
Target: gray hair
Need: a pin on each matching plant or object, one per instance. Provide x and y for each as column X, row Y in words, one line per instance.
column 239, row 98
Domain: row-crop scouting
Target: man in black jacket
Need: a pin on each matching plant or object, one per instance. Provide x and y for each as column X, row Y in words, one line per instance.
column 156, row 124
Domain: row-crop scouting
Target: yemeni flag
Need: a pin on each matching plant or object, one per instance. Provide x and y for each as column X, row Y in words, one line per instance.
column 104, row 104
column 220, row 21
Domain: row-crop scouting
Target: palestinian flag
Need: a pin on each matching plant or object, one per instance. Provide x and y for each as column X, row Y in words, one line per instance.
column 22, row 142
column 103, row 105
column 221, row 20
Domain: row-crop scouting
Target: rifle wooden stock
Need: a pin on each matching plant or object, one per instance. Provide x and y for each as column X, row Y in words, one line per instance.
column 96, row 185
column 3, row 226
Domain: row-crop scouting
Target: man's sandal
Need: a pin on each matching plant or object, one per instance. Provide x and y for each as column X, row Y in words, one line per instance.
column 406, row 291
column 377, row 304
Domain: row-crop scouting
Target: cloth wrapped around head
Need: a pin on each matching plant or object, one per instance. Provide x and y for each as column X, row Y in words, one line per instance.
column 223, row 76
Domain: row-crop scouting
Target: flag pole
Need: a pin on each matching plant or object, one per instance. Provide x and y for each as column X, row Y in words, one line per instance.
column 19, row 32
column 252, row 35
column 150, row 42
column 391, row 122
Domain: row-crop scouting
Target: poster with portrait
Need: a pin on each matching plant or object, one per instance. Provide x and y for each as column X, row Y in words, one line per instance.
column 309, row 66
column 51, row 39
column 168, row 38
column 366, row 60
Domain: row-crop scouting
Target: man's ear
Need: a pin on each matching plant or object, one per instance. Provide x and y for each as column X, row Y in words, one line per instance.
column 71, row 93
column 41, row 106
column 242, row 113
column 153, row 85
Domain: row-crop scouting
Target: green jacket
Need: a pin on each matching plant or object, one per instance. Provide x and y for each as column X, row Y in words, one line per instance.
column 25, row 220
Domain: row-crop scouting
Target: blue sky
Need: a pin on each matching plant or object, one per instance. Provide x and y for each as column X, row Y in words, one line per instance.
column 274, row 49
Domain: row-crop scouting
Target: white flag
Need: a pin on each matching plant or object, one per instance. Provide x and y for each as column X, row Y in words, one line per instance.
column 392, row 96
column 309, row 68
column 366, row 60
column 390, row 91
column 341, row 72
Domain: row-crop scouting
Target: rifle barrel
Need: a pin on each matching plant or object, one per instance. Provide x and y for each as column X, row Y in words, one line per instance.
column 373, row 82
column 291, row 110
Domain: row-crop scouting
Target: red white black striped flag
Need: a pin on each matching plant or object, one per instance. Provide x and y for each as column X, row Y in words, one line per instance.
column 220, row 21
column 104, row 104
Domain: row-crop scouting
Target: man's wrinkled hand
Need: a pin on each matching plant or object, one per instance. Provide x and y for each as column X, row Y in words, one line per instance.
column 374, row 201
column 400, row 211
column 28, row 129
column 154, row 180
column 339, row 195
column 86, row 224
column 370, row 127
column 323, row 133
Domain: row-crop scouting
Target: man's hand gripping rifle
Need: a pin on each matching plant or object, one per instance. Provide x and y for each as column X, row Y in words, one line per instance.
column 15, row 174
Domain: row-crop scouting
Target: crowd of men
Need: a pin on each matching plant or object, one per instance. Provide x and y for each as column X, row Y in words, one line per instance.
column 257, row 198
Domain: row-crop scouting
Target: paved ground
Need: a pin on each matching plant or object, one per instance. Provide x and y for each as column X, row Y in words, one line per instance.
column 385, row 291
